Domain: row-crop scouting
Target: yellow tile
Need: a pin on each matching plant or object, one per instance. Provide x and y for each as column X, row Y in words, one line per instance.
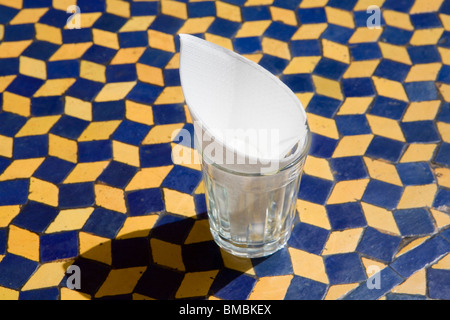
column 120, row 281
column 118, row 8
column 86, row 172
column 445, row 91
column 423, row 72
column 54, row 87
column 352, row 145
column 37, row 126
column 397, row 19
column 162, row 133
column 271, row 288
column 12, row 3
column 323, row 126
column 255, row 2
column 6, row 81
column 70, row 51
column 63, row 4
column 423, row 110
column 200, row 232
column 89, row 18
column 308, row 265
column 135, row 227
column 318, row 167
column 361, row 69
column 443, row 263
column 127, row 55
column 95, row 247
column 424, row 37
column 328, row 87
column 188, row 114
column 161, row 40
column 147, row 178
column 105, row 38
column 62, row 148
column 340, row 17
column 364, row 34
column 179, row 203
column 78, row 108
column 381, row 170
column 389, row 88
column 43, row 191
column 21, row 168
column 301, row 65
column 6, row 146
column 338, row 290
column 305, row 98
column 253, row 28
column 445, row 20
column 444, row 130
column 137, row 296
column 13, row 49
column 115, row 91
column 23, row 243
column 276, row 48
column 92, row 71
column 185, row 156
column 99, row 130
column 417, row 196
column 196, row 25
column 70, row 219
column 284, row 15
column 16, row 104
column 150, row 74
column 167, row 254
column 243, row 265
column 138, row 112
column 348, row 191
column 220, row 41
column 174, row 9
column 313, row 3
column 174, row 63
column 385, row 127
column 48, row 33
column 313, row 213
column 7, row 213
column 380, row 218
column 415, row 284
column 442, row 219
column 32, row 67
column 443, row 176
column 355, row 105
column 335, row 51
column 418, row 152
column 309, row 31
column 68, row 294
column 8, row 294
column 342, row 241
column 139, row 23
column 170, row 95
column 372, row 266
column 196, row 284
column 48, row 275
column 395, row 53
column 228, row 11
column 125, row 153
column 110, row 198
column 421, row 6
column 413, row 244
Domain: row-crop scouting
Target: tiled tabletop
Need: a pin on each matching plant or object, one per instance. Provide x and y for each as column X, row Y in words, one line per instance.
column 87, row 177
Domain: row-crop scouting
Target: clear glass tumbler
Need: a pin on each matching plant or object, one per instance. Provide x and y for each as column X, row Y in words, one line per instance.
column 252, row 215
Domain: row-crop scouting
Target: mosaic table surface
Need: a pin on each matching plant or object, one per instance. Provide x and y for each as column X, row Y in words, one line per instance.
column 87, row 177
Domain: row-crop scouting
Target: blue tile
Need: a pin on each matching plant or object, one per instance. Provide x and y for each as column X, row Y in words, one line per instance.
column 109, row 110
column 445, row 7
column 166, row 24
column 300, row 48
column 11, row 123
column 323, row 106
column 167, row 114
column 18, row 32
column 444, row 41
column 420, row 131
column 30, row 147
column 378, row 245
column 99, row 54
column 145, row 201
column 322, row 146
column 280, row 31
column 40, row 294
column 287, row 4
column 55, row 18
column 232, row 285
column 417, row 258
column 133, row 39
column 90, row 151
column 155, row 155
column 388, row 108
column 173, row 229
column 200, row 203
column 403, row 296
column 63, row 69
column 385, row 148
column 382, row 194
column 446, row 234
column 425, row 20
column 365, row 51
column 41, row 50
column 444, row 74
column 182, row 179
column 277, row 264
column 131, row 132
column 4, row 163
column 415, row 173
column 69, row 127
column 24, row 85
column 76, row 195
column 14, row 192
column 247, row 45
column 305, row 289
column 202, row 256
column 298, row 82
column 7, row 13
column 398, row 5
column 117, row 174
column 35, row 216
column 9, row 66
column 330, row 69
column 159, row 282
column 314, row 189
column 312, row 15
column 273, row 64
column 348, row 168
column 442, row 198
column 337, row 33
column 57, row 246
column 344, row 268
column 92, row 276
column 344, row 5
column 388, row 279
column 358, row 87
column 201, row 9
column 392, row 70
column 144, row 93
column 171, row 77
column 15, row 271
column 224, row 28
column 438, row 283
column 424, row 54
column 76, row 35
column 155, row 58
column 349, row 125
column 85, row 89
column 92, row 6
column 121, row 73
column 130, row 252
column 308, row 238
column 144, row 8
column 54, row 170
column 3, row 240
column 109, row 22
column 396, row 36
column 421, row 91
column 346, row 215
column 255, row 13
column 443, row 155
column 104, row 223
column 414, row 222
column 46, row 106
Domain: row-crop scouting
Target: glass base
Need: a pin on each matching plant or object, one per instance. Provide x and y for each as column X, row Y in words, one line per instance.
column 249, row 251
